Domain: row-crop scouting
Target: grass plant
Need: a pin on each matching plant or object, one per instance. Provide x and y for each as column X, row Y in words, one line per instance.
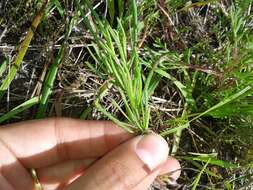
column 181, row 69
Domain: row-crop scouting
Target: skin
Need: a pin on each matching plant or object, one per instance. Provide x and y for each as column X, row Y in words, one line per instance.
column 72, row 154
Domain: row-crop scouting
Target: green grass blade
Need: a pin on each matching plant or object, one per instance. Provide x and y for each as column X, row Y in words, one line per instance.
column 130, row 112
column 198, row 4
column 59, row 7
column 3, row 67
column 224, row 102
column 49, row 83
column 134, row 24
column 178, row 84
column 52, row 73
column 174, row 130
column 178, row 134
column 197, row 179
column 200, row 167
column 123, row 125
column 24, row 106
column 111, row 9
column 116, row 105
column 121, row 8
column 148, row 81
column 102, row 93
column 212, row 160
column 217, row 162
column 123, row 39
column 219, row 105
column 22, row 52
column 146, row 117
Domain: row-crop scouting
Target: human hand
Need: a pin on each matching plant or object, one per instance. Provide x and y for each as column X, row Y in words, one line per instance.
column 72, row 154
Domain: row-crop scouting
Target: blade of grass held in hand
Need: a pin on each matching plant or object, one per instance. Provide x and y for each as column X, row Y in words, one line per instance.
column 109, row 51
column 22, row 51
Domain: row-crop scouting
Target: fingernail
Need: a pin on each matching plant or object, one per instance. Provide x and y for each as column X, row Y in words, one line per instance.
column 152, row 150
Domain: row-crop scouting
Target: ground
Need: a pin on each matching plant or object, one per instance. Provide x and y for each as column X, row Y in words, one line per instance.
column 185, row 68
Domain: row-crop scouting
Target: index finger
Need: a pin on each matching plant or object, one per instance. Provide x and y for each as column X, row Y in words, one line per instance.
column 42, row 143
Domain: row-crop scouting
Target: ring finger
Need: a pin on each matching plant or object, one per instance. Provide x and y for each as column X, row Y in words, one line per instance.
column 53, row 177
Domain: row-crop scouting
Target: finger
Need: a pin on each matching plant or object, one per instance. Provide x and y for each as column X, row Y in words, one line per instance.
column 4, row 184
column 60, row 174
column 63, row 172
column 12, row 174
column 126, row 166
column 147, row 181
column 54, row 186
column 47, row 142
column 171, row 168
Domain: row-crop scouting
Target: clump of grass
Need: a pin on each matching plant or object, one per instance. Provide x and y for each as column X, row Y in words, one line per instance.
column 123, row 68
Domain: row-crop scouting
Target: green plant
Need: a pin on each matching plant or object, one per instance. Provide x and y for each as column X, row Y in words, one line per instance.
column 124, row 69
column 182, row 69
column 19, row 109
column 22, row 51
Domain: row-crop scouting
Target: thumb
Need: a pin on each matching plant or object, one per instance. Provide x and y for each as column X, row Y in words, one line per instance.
column 127, row 166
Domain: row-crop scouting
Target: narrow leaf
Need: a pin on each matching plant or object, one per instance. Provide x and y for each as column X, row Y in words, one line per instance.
column 24, row 106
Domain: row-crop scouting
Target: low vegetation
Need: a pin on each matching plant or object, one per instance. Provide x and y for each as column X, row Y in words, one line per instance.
column 183, row 69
